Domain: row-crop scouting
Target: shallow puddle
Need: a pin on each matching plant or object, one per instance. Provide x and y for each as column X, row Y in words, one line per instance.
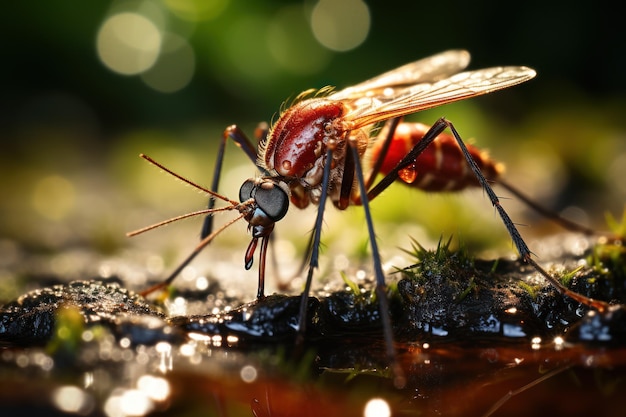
column 497, row 343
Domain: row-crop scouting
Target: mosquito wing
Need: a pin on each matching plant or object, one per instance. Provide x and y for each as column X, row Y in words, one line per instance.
column 422, row 96
column 430, row 69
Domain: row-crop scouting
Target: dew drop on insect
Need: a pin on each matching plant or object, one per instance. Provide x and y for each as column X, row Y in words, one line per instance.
column 408, row 174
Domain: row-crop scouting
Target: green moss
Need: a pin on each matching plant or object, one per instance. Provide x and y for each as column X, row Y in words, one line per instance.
column 608, row 263
column 532, row 290
column 354, row 287
column 442, row 261
column 608, row 257
column 470, row 287
column 68, row 331
column 443, row 268
column 617, row 227
column 566, row 277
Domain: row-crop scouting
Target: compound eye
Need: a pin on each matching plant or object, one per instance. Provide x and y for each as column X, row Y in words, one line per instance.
column 272, row 199
column 246, row 190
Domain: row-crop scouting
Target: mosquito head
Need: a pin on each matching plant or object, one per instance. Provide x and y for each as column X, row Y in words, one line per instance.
column 271, row 202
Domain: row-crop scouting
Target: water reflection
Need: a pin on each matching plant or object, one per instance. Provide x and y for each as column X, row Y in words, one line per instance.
column 377, row 407
column 498, row 365
column 74, row 400
column 452, row 379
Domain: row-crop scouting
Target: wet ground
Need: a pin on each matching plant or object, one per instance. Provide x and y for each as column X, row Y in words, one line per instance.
column 474, row 337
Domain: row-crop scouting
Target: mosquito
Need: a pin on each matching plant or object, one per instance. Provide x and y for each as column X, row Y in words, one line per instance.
column 314, row 153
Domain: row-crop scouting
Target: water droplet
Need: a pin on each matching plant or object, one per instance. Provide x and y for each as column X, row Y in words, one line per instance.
column 408, row 174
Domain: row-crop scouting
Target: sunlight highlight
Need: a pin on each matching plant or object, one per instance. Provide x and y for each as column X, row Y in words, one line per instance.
column 156, row 388
column 128, row 402
column 175, row 65
column 135, row 42
column 377, row 407
column 128, row 43
column 74, row 400
column 340, row 25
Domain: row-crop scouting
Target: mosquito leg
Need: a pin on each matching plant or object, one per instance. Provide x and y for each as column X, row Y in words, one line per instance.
column 381, row 293
column 392, row 125
column 239, row 137
column 207, row 226
column 315, row 249
column 519, row 242
column 205, row 241
column 207, row 233
column 410, row 157
column 352, row 167
column 567, row 224
column 347, row 182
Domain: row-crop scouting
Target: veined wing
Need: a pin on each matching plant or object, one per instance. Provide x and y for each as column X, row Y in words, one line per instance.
column 427, row 95
column 430, row 69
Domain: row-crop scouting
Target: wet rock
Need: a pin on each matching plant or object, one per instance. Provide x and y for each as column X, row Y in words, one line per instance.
column 31, row 318
column 271, row 319
column 444, row 297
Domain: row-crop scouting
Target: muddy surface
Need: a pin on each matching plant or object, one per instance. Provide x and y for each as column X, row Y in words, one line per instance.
column 473, row 337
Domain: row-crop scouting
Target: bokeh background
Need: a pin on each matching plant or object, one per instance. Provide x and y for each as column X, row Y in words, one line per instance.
column 86, row 86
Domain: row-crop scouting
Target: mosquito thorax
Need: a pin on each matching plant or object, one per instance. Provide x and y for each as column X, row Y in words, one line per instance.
column 298, row 140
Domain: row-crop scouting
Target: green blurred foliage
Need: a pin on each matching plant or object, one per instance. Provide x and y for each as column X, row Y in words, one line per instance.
column 50, row 46
column 64, row 114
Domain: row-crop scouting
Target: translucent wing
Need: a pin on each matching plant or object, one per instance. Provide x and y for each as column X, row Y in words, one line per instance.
column 430, row 69
column 408, row 100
